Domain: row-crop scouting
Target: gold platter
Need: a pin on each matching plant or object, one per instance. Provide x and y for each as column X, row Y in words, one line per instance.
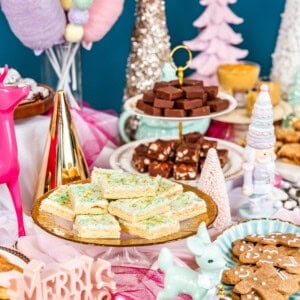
column 63, row 229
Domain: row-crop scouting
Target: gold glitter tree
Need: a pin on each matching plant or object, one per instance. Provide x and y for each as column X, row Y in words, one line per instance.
column 150, row 47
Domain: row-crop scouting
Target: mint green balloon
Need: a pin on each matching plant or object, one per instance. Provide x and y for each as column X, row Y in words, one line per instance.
column 82, row 4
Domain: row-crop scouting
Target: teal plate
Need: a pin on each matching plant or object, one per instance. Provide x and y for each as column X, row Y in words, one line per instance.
column 240, row 230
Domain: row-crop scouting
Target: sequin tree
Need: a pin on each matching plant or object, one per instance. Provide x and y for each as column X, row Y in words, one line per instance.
column 286, row 57
column 215, row 40
column 150, row 47
column 212, row 182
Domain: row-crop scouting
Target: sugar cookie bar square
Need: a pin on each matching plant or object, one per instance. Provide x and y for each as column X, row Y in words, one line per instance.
column 186, row 205
column 120, row 185
column 58, row 203
column 168, row 188
column 152, row 228
column 86, row 198
column 137, row 209
column 97, row 226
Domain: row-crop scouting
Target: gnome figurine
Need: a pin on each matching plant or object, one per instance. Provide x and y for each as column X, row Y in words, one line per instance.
column 259, row 164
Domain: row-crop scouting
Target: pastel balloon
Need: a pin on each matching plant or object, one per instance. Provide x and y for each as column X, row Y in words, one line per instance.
column 66, row 4
column 73, row 33
column 103, row 15
column 37, row 24
column 83, row 4
column 78, row 16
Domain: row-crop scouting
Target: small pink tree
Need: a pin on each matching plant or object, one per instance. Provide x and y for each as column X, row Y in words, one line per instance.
column 215, row 40
column 212, row 182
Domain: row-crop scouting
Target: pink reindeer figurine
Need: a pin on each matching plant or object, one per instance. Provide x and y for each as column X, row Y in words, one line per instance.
column 10, row 97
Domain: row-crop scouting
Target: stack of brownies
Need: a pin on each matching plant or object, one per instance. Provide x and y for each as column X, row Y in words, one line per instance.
column 169, row 158
column 191, row 99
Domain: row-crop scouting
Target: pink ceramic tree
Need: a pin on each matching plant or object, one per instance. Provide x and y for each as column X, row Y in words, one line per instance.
column 215, row 40
column 10, row 97
column 212, row 182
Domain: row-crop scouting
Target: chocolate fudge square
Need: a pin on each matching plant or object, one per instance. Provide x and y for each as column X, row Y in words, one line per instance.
column 148, row 96
column 141, row 162
column 200, row 111
column 188, row 153
column 168, row 92
column 191, row 82
column 160, row 84
column 211, row 92
column 223, row 156
column 161, row 168
column 159, row 150
column 194, row 91
column 188, row 103
column 183, row 171
column 218, row 104
column 174, row 112
column 162, row 103
column 151, row 110
column 141, row 149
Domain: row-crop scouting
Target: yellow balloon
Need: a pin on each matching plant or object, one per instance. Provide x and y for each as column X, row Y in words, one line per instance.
column 66, row 4
column 73, row 33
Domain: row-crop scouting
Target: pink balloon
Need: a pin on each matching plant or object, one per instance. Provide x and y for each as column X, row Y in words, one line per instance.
column 103, row 14
column 37, row 24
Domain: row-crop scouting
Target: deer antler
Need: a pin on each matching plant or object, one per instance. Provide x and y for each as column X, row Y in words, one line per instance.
column 3, row 75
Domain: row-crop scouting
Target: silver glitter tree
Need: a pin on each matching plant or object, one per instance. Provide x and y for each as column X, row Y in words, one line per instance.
column 150, row 47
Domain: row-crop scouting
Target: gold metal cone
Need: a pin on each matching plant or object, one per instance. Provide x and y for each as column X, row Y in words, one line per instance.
column 63, row 160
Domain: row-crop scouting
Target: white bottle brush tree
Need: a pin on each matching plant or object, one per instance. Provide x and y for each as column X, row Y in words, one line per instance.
column 216, row 40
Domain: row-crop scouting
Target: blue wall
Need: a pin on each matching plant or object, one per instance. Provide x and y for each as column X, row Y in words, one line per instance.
column 104, row 67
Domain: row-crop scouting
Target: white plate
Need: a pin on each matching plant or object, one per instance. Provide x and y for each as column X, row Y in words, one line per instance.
column 130, row 105
column 240, row 230
column 122, row 158
column 287, row 171
column 14, row 257
column 239, row 115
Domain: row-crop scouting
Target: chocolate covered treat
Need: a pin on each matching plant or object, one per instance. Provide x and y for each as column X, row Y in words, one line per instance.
column 141, row 162
column 159, row 150
column 218, row 104
column 162, row 103
column 200, row 111
column 188, row 103
column 162, row 168
column 207, row 144
column 175, row 112
column 192, row 92
column 169, row 92
column 193, row 137
column 188, row 153
column 140, row 104
column 151, row 110
column 182, row 171
column 211, row 92
column 223, row 156
column 148, row 96
column 160, row 84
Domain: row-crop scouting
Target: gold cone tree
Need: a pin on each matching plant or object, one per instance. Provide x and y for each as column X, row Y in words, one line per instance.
column 63, row 160
column 150, row 47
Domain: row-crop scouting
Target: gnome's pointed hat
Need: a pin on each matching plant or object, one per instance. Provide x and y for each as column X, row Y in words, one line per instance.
column 261, row 130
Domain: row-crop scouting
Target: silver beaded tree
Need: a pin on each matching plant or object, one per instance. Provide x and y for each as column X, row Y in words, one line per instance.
column 150, row 47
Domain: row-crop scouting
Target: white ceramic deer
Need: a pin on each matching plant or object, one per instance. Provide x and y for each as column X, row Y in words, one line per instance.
column 10, row 97
column 185, row 280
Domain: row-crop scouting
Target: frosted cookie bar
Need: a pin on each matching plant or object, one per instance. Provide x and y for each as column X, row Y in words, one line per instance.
column 152, row 228
column 168, row 188
column 137, row 209
column 58, row 203
column 86, row 198
column 97, row 226
column 118, row 185
column 186, row 205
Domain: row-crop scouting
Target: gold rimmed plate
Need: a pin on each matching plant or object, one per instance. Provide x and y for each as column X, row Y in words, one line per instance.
column 63, row 229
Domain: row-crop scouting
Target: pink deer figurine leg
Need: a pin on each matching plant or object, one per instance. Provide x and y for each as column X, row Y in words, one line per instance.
column 14, row 189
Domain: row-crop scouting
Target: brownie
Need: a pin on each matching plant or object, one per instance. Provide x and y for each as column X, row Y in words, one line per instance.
column 141, row 162
column 182, row 171
column 169, row 92
column 141, row 149
column 148, row 96
column 211, row 91
column 193, row 137
column 159, row 150
column 192, row 92
column 200, row 111
column 161, row 168
column 174, row 112
column 223, row 156
column 151, row 110
column 218, row 104
column 162, row 103
column 140, row 104
column 188, row 153
column 206, row 144
column 188, row 103
column 160, row 84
